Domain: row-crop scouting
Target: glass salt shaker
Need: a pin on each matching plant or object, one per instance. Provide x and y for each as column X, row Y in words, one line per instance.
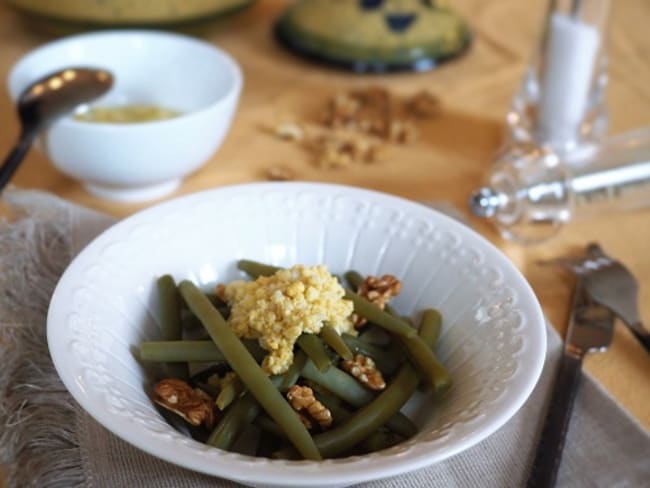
column 561, row 102
column 531, row 192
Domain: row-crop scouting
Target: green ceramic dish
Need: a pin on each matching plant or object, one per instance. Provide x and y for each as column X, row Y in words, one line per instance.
column 374, row 35
column 129, row 12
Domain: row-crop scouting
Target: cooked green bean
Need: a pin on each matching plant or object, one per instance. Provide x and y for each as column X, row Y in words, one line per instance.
column 430, row 326
column 237, row 417
column 267, row 425
column 371, row 417
column 378, row 317
column 245, row 410
column 267, row 444
column 340, row 383
column 249, row 371
column 171, row 326
column 350, row 390
column 334, row 340
column 432, row 371
column 295, row 370
column 354, row 279
column 192, row 351
column 380, row 440
column 255, row 269
column 386, row 362
column 180, row 351
column 313, row 347
column 229, row 393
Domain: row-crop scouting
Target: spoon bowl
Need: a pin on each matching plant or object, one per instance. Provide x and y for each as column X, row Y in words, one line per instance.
column 47, row 99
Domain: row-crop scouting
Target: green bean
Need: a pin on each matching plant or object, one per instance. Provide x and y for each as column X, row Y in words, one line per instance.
column 267, row 444
column 432, row 371
column 377, row 441
column 229, row 393
column 339, row 413
column 378, row 317
column 430, row 326
column 180, row 351
column 249, row 371
column 350, row 390
column 371, row 417
column 267, row 425
column 237, row 417
column 255, row 269
column 334, row 340
column 295, row 370
column 171, row 326
column 192, row 351
column 421, row 353
column 380, row 440
column 245, row 411
column 354, row 278
column 313, row 347
column 386, row 362
column 338, row 382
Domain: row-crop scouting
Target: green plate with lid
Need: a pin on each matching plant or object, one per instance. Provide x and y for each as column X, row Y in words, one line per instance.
column 374, row 35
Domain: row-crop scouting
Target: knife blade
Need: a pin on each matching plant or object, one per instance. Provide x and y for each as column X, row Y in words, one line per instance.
column 591, row 328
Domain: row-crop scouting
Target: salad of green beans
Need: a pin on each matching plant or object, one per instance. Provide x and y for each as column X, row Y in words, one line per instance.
column 341, row 395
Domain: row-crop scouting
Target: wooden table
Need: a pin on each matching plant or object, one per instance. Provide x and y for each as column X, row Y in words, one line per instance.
column 445, row 164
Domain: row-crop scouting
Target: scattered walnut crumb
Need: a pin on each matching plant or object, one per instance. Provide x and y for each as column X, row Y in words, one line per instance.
column 354, row 126
column 402, row 131
column 339, row 149
column 289, row 131
column 368, row 111
column 302, row 399
column 423, row 104
column 193, row 404
column 364, row 369
column 279, row 173
column 378, row 290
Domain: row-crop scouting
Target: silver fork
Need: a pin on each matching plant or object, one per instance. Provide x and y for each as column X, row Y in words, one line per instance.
column 610, row 284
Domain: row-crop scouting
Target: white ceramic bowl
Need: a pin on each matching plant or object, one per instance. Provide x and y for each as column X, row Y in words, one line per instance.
column 493, row 338
column 139, row 161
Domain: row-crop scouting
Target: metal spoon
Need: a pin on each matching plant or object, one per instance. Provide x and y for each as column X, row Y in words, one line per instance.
column 48, row 98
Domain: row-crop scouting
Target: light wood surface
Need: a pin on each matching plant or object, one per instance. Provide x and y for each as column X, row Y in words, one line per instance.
column 447, row 162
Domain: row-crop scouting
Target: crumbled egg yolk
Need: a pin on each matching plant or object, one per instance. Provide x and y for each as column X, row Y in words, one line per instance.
column 277, row 309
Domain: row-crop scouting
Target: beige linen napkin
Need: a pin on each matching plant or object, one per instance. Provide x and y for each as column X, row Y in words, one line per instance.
column 48, row 440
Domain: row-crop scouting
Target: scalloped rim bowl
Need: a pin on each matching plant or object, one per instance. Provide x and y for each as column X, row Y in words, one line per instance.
column 493, row 339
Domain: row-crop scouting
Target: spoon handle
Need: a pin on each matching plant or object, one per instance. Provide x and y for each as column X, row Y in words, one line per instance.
column 15, row 157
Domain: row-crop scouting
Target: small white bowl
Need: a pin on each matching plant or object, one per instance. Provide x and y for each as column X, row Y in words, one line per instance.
column 139, row 161
column 493, row 339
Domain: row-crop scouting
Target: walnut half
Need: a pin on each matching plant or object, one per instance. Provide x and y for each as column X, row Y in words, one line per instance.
column 193, row 404
column 378, row 290
column 364, row 369
column 302, row 399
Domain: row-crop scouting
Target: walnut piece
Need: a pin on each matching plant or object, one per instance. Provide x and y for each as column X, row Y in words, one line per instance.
column 193, row 404
column 370, row 112
column 340, row 149
column 364, row 369
column 302, row 399
column 423, row 104
column 220, row 291
column 378, row 290
column 289, row 131
column 279, row 173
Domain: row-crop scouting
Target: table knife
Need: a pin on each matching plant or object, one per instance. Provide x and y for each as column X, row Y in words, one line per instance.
column 591, row 328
